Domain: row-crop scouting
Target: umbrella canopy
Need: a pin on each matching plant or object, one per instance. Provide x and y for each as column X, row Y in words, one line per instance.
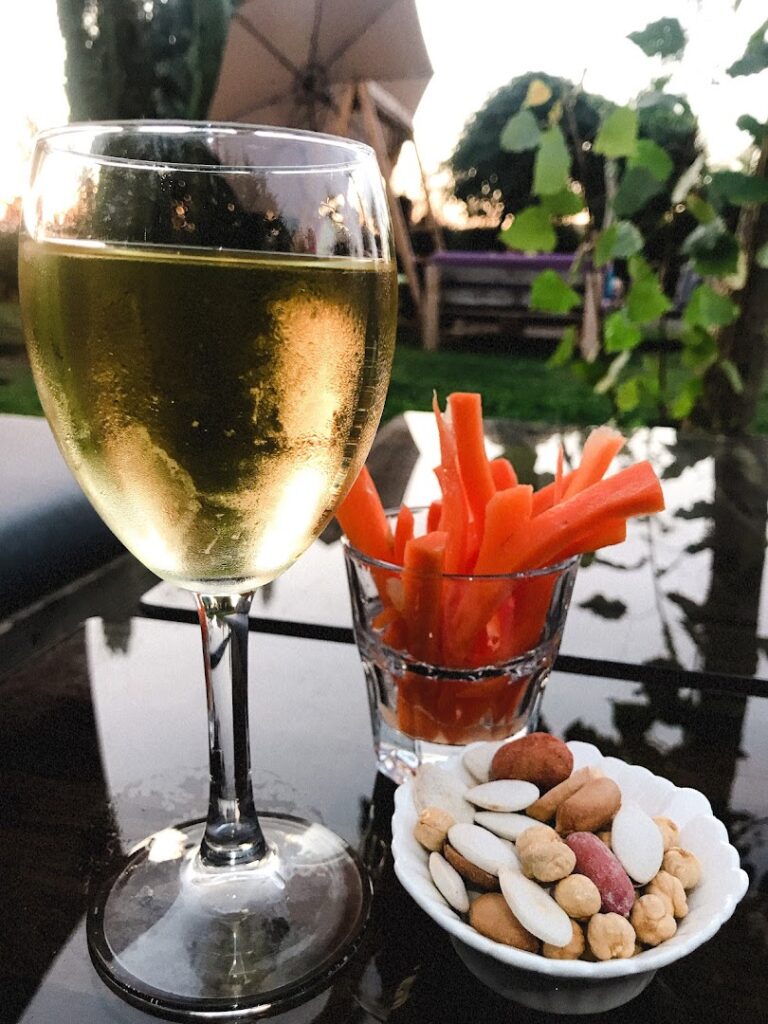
column 289, row 63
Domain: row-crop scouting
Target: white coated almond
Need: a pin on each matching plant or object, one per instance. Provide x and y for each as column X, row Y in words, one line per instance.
column 503, row 795
column 477, row 759
column 507, row 826
column 434, row 787
column 449, row 883
column 534, row 908
column 637, row 842
column 481, row 848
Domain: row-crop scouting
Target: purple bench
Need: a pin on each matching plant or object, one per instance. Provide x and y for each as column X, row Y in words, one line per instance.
column 490, row 291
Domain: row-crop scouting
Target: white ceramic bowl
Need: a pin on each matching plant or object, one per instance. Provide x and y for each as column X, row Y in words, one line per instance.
column 578, row 986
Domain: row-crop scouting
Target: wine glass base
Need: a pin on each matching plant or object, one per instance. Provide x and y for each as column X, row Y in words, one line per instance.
column 185, row 941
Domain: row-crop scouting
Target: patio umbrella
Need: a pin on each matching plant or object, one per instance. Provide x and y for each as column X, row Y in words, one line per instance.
column 291, row 63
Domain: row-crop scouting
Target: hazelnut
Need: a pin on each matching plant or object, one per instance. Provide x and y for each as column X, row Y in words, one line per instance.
column 535, row 834
column 432, row 828
column 547, row 861
column 671, row 890
column 670, row 833
column 578, row 896
column 683, row 865
column 611, row 937
column 572, row 951
column 651, row 920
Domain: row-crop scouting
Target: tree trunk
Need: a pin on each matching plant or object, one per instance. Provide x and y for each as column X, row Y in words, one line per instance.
column 744, row 342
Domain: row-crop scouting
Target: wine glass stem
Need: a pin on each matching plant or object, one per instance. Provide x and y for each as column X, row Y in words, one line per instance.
column 232, row 832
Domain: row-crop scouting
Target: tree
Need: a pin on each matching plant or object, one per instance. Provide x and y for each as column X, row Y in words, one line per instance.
column 494, row 173
column 142, row 58
column 720, row 322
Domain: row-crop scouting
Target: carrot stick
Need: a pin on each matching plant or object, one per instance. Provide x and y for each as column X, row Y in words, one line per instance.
column 599, row 450
column 403, row 533
column 455, row 514
column 434, row 514
column 467, row 421
column 632, row 491
column 361, row 517
column 508, row 513
column 422, row 583
column 559, row 484
column 503, row 473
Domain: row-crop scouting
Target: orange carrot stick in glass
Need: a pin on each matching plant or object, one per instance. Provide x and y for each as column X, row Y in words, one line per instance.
column 361, row 517
column 466, row 413
column 503, row 473
column 403, row 533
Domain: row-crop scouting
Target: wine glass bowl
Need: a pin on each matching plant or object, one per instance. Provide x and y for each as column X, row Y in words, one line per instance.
column 210, row 314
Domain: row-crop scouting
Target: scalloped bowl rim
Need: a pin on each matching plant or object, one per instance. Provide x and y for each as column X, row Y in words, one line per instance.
column 693, row 815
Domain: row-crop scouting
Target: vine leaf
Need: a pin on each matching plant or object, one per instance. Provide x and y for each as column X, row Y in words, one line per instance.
column 530, row 231
column 662, row 38
column 757, row 129
column 646, row 301
column 707, row 308
column 521, row 132
column 620, row 241
column 713, row 249
column 739, row 189
column 538, row 94
column 553, row 163
column 653, row 158
column 755, row 56
column 618, row 134
column 637, row 187
column 620, row 333
column 564, row 203
column 703, row 211
column 550, row 294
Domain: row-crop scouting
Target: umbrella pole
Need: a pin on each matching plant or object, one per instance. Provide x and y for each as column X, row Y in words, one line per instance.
column 402, row 236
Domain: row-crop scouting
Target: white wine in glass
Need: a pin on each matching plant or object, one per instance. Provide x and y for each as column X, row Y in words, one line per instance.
column 210, row 316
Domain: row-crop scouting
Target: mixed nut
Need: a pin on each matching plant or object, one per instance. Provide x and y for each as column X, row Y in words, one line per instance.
column 550, row 860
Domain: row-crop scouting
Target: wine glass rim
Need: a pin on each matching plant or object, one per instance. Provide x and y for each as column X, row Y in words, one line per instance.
column 170, row 127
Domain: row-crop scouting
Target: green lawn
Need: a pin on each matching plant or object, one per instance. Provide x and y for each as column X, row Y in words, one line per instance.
column 512, row 386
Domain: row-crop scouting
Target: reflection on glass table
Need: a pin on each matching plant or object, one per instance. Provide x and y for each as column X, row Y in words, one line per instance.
column 683, row 591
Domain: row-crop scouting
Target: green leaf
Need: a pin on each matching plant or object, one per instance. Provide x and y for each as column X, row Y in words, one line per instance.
column 738, row 188
column 620, row 241
column 538, row 94
column 637, row 187
column 713, row 249
column 550, row 294
column 618, row 134
column 755, row 57
column 707, row 308
column 530, row 231
column 521, row 132
column 619, row 333
column 750, row 124
column 565, row 349
column 653, row 158
column 682, row 404
column 564, row 203
column 699, row 349
column 703, row 211
column 639, row 268
column 732, row 375
column 628, row 395
column 646, row 301
column 662, row 38
column 761, row 256
column 553, row 163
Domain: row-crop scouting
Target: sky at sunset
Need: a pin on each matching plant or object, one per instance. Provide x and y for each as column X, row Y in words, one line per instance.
column 474, row 50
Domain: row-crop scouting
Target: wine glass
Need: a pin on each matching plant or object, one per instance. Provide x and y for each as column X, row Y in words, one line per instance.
column 210, row 316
